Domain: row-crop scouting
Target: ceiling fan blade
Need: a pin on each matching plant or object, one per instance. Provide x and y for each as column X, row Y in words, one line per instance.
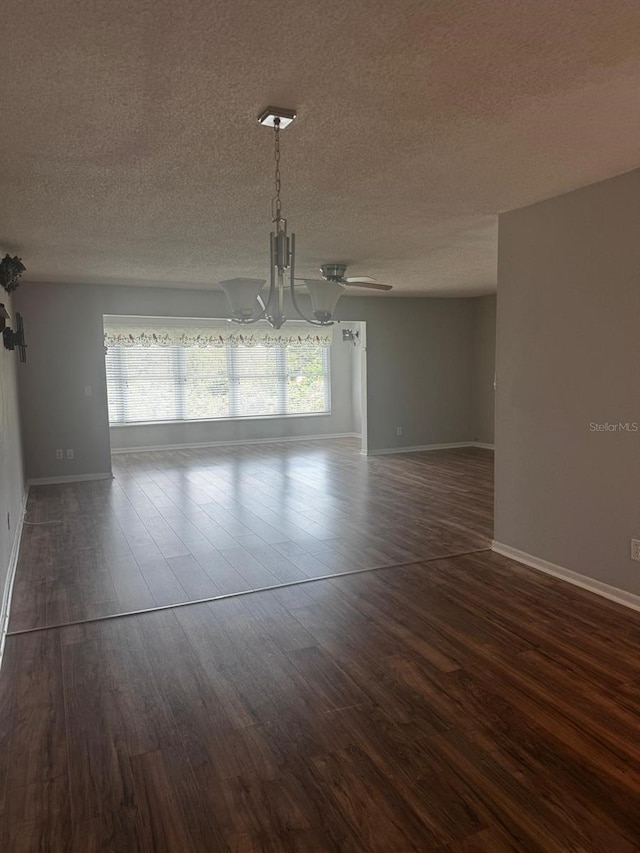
column 303, row 281
column 369, row 285
column 353, row 279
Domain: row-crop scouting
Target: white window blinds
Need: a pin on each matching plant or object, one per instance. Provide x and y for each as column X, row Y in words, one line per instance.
column 167, row 381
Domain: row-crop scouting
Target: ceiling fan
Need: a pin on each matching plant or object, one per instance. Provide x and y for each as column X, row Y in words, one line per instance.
column 336, row 273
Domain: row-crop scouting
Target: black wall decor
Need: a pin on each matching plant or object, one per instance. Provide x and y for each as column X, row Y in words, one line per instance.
column 15, row 339
column 10, row 271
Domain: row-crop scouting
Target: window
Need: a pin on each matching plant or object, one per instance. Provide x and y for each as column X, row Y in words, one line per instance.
column 183, row 374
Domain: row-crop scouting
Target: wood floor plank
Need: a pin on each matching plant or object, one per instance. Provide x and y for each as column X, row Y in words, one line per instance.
column 284, row 570
column 99, row 775
column 254, row 573
column 333, row 689
column 278, row 622
column 378, row 817
column 226, row 577
column 441, row 804
column 8, row 710
column 37, row 748
column 132, row 589
column 192, row 577
column 162, row 582
column 501, row 798
column 160, row 811
column 121, row 830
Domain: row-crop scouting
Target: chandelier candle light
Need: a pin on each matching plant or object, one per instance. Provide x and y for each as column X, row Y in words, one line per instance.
column 245, row 300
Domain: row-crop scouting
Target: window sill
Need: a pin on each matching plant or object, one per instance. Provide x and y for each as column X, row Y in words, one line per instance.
column 220, row 420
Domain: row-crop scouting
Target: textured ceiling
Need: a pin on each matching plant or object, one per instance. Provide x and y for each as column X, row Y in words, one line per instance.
column 130, row 151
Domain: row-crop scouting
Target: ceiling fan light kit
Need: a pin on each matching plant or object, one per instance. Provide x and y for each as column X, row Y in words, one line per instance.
column 246, row 302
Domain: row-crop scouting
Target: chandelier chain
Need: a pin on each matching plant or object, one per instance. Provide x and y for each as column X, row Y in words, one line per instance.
column 277, row 203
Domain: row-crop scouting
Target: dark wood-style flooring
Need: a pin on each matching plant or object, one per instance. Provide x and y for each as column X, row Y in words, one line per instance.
column 186, row 525
column 464, row 704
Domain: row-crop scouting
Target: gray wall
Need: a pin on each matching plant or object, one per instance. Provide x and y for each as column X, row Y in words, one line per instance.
column 357, row 356
column 11, row 478
column 568, row 356
column 483, row 368
column 418, row 367
column 200, row 432
column 63, row 328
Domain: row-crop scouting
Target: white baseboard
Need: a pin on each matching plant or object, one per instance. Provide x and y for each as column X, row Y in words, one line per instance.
column 194, row 446
column 11, row 574
column 421, row 448
column 71, row 478
column 483, row 445
column 620, row 596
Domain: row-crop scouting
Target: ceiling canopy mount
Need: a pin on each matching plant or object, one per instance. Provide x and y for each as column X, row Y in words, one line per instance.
column 271, row 116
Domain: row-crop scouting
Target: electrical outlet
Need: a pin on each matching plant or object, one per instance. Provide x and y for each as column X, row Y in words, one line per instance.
column 70, row 453
column 635, row 549
column 59, row 454
column 398, row 430
column 88, row 391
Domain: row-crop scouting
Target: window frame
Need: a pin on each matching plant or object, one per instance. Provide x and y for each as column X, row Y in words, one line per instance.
column 233, row 378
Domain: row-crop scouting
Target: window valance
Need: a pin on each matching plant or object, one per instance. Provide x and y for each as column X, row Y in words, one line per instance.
column 185, row 332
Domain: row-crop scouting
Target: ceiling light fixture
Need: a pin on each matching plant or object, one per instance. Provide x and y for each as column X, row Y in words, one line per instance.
column 245, row 300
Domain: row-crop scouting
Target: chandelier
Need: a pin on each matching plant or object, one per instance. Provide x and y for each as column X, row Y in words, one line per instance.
column 247, row 302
